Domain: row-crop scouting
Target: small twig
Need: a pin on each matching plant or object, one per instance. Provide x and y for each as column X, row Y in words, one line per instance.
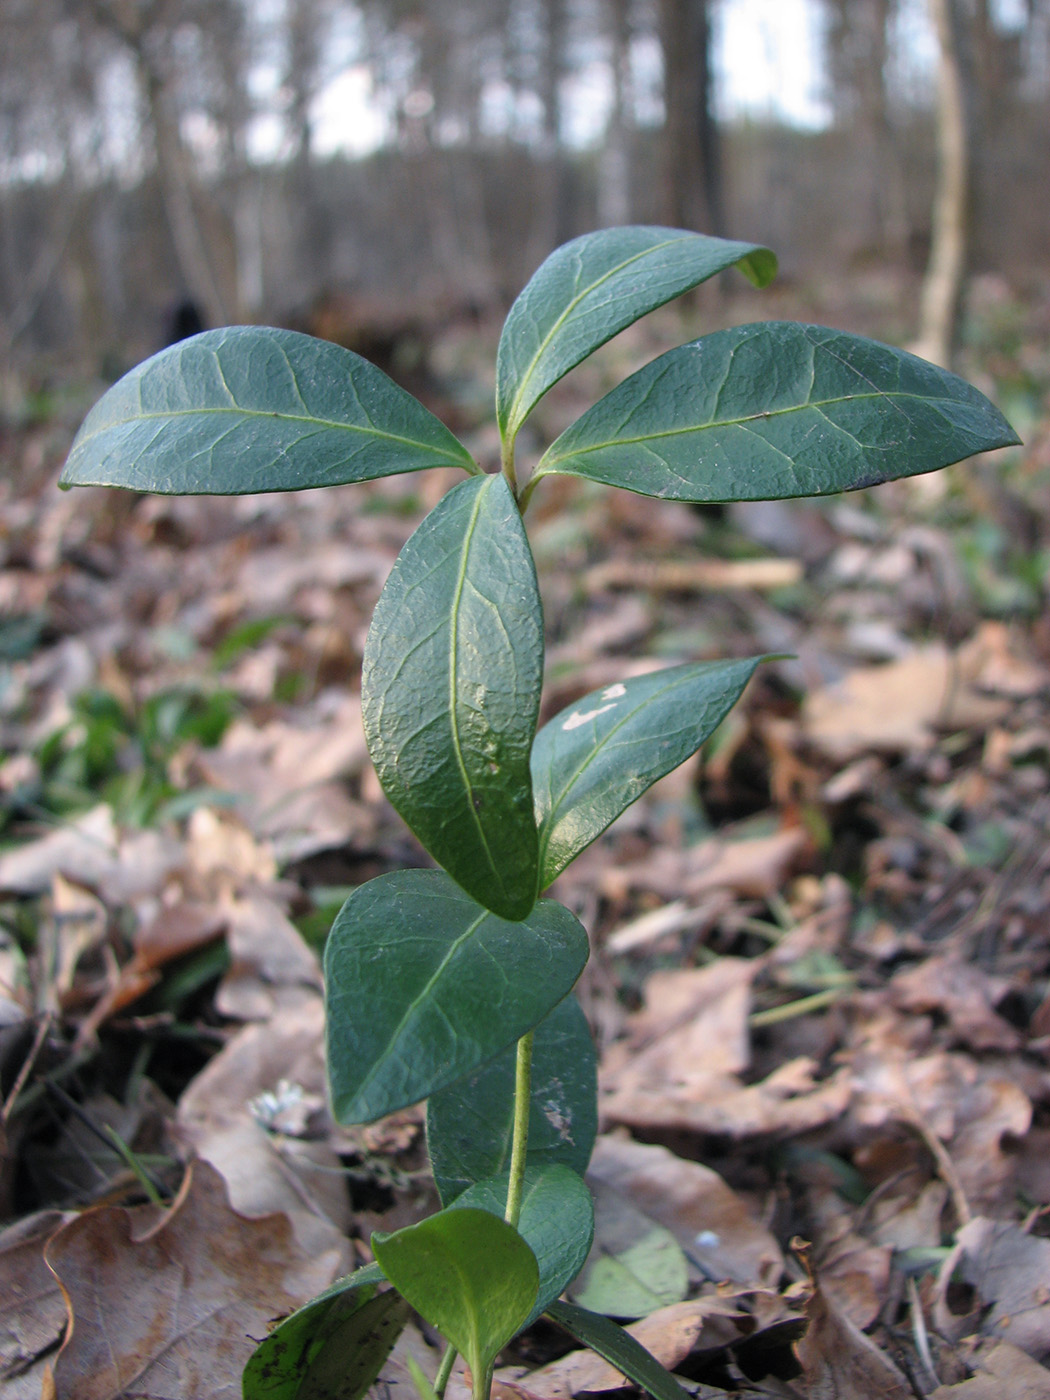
column 27, row 1067
column 945, row 1165
column 919, row 1333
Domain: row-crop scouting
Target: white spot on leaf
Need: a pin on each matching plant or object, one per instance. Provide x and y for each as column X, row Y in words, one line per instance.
column 577, row 718
column 614, row 692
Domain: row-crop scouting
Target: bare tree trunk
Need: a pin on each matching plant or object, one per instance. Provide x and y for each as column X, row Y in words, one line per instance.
column 614, row 167
column 692, row 171
column 132, row 26
column 943, row 284
column 187, row 236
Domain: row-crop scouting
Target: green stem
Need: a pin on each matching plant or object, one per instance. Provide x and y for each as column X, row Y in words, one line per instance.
column 520, row 1140
column 444, row 1371
column 482, row 1387
column 507, row 463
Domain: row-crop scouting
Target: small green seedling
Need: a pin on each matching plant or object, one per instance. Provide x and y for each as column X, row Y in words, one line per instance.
column 454, row 985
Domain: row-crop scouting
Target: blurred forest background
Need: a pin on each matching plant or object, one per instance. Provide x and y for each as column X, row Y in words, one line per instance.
column 381, row 163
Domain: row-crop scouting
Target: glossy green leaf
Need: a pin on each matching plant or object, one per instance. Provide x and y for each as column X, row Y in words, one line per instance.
column 591, row 761
column 636, row 1265
column 423, row 985
column 776, row 410
column 557, row 1223
column 451, row 691
column 619, row 1348
column 349, row 1327
column 469, row 1274
column 589, row 290
column 250, row 408
column 470, row 1124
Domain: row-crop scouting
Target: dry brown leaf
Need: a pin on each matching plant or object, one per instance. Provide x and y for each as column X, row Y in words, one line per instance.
column 223, row 1112
column 270, row 963
column 692, row 1026
column 32, row 1313
column 84, row 850
column 171, row 1313
column 89, row 851
column 965, row 994
column 1001, row 659
column 854, row 1273
column 790, row 1100
column 223, row 854
column 1011, row 1272
column 1003, row 1372
column 173, row 933
column 841, row 1363
column 287, row 772
column 906, row 1218
column 755, row 866
column 669, row 1333
column 679, row 1066
column 897, row 706
column 952, row 1100
column 719, row 1234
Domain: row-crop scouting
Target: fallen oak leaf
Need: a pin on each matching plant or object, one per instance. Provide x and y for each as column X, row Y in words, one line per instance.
column 32, row 1315
column 171, row 1313
column 719, row 1235
column 840, row 1362
column 1010, row 1271
column 1003, row 1370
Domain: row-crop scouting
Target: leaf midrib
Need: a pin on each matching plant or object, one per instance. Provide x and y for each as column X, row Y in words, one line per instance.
column 547, row 830
column 515, row 403
column 417, row 1000
column 453, row 648
column 547, row 463
column 369, row 431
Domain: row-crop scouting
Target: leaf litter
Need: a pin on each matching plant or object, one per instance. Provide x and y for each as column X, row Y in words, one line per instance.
column 822, row 982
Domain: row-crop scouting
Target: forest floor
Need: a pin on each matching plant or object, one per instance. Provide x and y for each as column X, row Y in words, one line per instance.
column 820, row 982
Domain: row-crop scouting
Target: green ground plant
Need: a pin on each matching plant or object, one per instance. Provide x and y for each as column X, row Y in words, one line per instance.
column 454, row 985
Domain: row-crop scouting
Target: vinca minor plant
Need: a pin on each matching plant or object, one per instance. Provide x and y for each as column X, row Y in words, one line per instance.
column 454, row 984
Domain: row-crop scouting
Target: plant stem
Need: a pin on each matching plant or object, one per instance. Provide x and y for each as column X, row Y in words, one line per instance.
column 482, row 1387
column 520, row 1140
column 507, row 463
column 444, row 1371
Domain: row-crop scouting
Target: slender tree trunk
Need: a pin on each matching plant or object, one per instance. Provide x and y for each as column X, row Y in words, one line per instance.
column 187, row 236
column 614, row 170
column 943, row 285
column 692, row 173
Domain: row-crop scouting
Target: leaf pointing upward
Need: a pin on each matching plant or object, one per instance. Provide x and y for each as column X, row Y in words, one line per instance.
column 589, row 290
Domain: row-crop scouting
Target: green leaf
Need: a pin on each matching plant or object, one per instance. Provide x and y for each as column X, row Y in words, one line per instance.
column 470, row 1274
column 589, row 290
column 423, row 985
column 596, row 757
column 777, row 410
column 636, row 1265
column 348, row 1321
column 470, row 1125
column 250, row 408
column 557, row 1223
column 451, row 691
column 619, row 1348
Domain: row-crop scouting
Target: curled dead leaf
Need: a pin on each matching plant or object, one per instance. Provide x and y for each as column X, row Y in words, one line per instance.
column 170, row 1311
